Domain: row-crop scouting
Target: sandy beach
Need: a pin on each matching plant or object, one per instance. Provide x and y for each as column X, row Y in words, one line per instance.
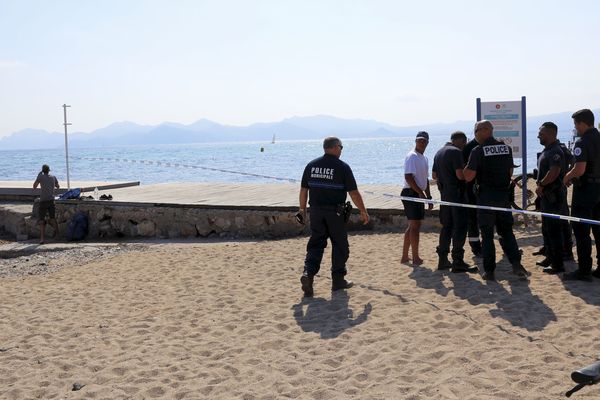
column 226, row 320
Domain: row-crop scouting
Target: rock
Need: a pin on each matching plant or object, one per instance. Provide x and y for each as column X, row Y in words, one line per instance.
column 146, row 228
column 77, row 386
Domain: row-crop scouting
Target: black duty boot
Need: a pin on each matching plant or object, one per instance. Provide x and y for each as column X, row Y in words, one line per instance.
column 519, row 271
column 338, row 282
column 577, row 275
column 540, row 252
column 307, row 285
column 546, row 262
column 489, row 276
column 554, row 269
column 443, row 262
column 461, row 266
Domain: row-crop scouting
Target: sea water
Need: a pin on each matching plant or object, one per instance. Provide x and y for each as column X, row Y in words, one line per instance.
column 374, row 161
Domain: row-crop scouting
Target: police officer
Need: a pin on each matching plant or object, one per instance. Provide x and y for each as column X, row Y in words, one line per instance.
column 552, row 193
column 585, row 175
column 325, row 181
column 472, row 228
column 448, row 167
column 566, row 231
column 491, row 162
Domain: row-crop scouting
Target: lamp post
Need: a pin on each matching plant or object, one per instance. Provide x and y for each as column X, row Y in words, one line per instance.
column 67, row 145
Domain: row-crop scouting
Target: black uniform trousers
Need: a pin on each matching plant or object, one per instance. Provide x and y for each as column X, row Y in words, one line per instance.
column 586, row 204
column 472, row 225
column 565, row 229
column 553, row 202
column 454, row 225
column 327, row 222
column 502, row 221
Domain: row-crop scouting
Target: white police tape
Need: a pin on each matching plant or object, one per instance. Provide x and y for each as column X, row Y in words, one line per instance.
column 491, row 208
column 292, row 180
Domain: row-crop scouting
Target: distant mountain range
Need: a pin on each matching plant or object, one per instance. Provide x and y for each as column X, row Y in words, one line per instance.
column 295, row 128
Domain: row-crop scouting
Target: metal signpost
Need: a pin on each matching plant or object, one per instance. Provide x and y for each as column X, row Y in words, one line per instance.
column 510, row 125
column 67, row 146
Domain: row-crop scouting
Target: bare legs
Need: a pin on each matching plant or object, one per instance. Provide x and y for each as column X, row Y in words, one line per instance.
column 411, row 240
column 42, row 231
column 54, row 226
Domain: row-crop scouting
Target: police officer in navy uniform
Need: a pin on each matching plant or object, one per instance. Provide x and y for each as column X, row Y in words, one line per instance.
column 491, row 164
column 552, row 194
column 585, row 176
column 325, row 181
column 566, row 231
column 447, row 170
column 472, row 228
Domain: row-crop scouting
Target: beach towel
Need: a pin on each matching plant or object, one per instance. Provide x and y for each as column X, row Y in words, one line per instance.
column 70, row 194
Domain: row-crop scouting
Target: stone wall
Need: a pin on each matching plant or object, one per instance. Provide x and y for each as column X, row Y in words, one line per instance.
column 130, row 220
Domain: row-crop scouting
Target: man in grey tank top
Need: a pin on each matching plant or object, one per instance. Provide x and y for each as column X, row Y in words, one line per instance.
column 47, row 182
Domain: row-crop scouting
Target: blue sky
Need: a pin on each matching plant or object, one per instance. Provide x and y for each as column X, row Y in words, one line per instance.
column 239, row 62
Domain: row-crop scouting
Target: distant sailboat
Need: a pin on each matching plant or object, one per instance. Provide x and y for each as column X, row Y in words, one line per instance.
column 273, row 141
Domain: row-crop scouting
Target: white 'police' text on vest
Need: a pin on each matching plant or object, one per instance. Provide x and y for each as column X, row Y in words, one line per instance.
column 321, row 173
column 495, row 150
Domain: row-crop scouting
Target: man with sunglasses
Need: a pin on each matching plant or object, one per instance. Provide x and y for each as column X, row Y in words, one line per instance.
column 325, row 182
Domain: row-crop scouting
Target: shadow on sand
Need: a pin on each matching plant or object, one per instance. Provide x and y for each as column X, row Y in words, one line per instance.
column 328, row 318
column 519, row 306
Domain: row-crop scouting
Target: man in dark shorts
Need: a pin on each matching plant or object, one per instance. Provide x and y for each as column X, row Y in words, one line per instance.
column 326, row 180
column 47, row 182
column 416, row 184
column 448, row 167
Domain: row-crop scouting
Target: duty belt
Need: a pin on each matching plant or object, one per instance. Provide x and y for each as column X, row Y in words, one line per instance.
column 327, row 206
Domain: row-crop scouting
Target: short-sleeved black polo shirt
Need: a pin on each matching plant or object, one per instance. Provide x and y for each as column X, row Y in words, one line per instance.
column 587, row 149
column 445, row 163
column 493, row 161
column 328, row 179
column 552, row 156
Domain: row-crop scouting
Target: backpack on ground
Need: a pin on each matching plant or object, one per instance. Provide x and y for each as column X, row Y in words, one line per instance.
column 77, row 228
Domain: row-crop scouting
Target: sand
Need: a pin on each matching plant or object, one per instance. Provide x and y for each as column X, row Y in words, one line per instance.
column 226, row 320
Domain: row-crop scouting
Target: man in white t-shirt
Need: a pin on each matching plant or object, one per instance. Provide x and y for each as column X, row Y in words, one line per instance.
column 416, row 184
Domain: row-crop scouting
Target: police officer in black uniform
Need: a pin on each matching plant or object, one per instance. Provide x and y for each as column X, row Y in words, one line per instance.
column 472, row 228
column 585, row 176
column 552, row 194
column 566, row 231
column 491, row 163
column 447, row 170
column 326, row 180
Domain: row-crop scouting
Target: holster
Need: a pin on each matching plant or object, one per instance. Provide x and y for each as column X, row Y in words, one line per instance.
column 345, row 210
